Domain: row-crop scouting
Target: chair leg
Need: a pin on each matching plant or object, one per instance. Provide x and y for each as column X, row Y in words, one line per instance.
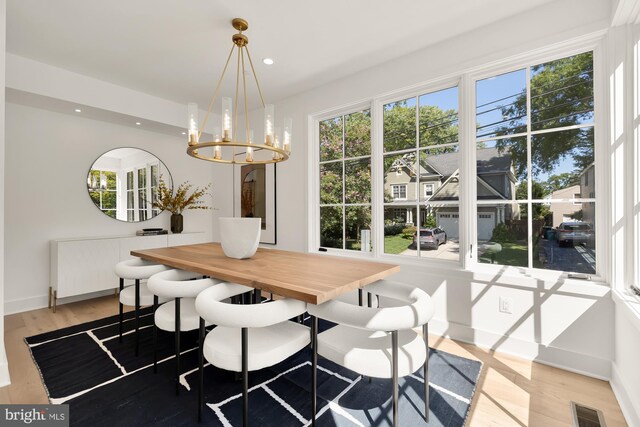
column 177, row 333
column 360, row 297
column 245, row 377
column 201, row 371
column 425, row 334
column 137, row 316
column 314, row 365
column 120, row 313
column 394, row 349
column 257, row 296
column 155, row 335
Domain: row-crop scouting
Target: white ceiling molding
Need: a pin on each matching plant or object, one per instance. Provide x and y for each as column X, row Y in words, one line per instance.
column 625, row 12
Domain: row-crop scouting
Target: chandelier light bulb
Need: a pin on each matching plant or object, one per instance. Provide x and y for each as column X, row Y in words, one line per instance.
column 192, row 110
column 286, row 140
column 227, row 107
column 268, row 124
column 249, row 156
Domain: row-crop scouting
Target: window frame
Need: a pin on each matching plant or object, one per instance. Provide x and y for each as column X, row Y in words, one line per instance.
column 313, row 192
column 471, row 260
column 428, row 185
column 399, row 192
column 465, row 80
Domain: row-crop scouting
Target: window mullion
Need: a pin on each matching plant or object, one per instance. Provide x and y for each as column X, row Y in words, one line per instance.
column 467, row 207
column 344, row 187
column 377, row 179
column 530, row 172
column 417, row 183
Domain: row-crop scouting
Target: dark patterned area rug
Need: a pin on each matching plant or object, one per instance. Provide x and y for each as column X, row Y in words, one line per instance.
column 105, row 384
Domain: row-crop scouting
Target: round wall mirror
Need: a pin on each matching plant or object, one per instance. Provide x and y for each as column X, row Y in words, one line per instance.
column 123, row 182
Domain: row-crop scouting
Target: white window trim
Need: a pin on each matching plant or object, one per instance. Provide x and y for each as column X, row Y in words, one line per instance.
column 431, row 186
column 465, row 80
column 405, row 191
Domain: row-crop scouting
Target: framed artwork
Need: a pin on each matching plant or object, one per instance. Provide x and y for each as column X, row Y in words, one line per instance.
column 255, row 197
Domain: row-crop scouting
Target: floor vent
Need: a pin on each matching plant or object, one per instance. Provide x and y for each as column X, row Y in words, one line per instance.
column 583, row 416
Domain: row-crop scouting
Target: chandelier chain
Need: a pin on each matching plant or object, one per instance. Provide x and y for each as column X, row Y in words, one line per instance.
column 246, row 104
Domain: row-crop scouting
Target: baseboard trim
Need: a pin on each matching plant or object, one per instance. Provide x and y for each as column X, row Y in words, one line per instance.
column 559, row 358
column 631, row 413
column 42, row 301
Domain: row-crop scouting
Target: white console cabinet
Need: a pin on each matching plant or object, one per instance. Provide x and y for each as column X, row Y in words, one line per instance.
column 84, row 265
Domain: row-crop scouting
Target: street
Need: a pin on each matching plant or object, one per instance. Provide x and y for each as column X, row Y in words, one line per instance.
column 578, row 258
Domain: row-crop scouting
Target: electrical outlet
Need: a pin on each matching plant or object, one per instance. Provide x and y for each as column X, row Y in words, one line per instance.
column 505, row 305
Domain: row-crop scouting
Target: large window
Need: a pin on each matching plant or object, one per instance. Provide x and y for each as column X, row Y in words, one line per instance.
column 526, row 170
column 420, row 170
column 345, row 181
column 535, row 166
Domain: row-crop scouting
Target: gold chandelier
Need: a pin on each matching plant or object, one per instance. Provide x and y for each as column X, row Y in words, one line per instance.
column 226, row 144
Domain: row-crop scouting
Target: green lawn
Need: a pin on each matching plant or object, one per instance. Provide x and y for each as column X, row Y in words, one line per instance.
column 511, row 254
column 395, row 244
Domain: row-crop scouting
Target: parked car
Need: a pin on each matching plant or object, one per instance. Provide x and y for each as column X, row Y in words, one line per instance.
column 430, row 237
column 570, row 233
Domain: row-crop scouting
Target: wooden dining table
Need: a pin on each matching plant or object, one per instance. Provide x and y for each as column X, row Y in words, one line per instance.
column 307, row 277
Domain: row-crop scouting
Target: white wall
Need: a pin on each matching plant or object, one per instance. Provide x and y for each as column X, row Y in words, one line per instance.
column 626, row 367
column 4, row 368
column 564, row 324
column 47, row 160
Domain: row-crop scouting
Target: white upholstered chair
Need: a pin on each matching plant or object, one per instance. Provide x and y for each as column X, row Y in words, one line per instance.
column 138, row 295
column 248, row 337
column 376, row 342
column 179, row 314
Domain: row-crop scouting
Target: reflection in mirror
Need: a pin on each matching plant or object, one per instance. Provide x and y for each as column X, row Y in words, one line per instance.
column 253, row 201
column 123, row 182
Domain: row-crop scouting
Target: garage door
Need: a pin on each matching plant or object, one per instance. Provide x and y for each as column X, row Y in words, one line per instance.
column 486, row 223
column 449, row 223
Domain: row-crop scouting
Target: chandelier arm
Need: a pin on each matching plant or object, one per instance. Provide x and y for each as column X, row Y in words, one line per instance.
column 235, row 107
column 246, row 104
column 215, row 93
column 255, row 76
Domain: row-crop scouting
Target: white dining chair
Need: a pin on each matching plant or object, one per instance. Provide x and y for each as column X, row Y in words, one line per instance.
column 138, row 295
column 376, row 342
column 179, row 314
column 247, row 337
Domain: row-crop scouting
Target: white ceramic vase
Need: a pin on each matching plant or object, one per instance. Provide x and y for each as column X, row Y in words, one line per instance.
column 239, row 237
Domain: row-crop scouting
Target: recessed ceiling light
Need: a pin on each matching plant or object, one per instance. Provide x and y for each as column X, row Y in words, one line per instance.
column 267, row 61
column 138, row 123
column 184, row 133
column 77, row 110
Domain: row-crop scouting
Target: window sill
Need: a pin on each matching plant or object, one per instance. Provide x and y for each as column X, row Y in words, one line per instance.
column 630, row 305
column 499, row 274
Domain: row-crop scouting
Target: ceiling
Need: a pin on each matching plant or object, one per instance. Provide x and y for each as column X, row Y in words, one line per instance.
column 176, row 49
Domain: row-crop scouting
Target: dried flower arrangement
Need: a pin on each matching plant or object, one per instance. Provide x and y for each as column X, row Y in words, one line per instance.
column 181, row 200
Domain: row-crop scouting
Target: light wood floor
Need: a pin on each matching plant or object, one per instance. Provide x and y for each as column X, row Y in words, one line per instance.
column 511, row 391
